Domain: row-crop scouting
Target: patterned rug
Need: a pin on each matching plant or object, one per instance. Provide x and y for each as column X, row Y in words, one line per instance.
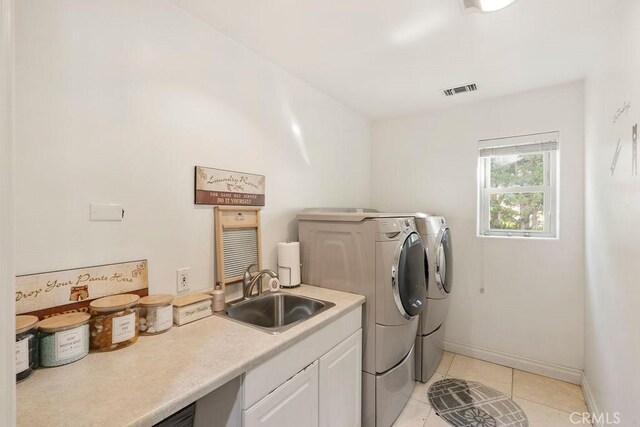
column 468, row 403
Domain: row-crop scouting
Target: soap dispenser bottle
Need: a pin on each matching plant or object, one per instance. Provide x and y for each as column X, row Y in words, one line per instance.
column 218, row 297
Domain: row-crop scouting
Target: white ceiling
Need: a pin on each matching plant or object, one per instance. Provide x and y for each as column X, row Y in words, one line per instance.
column 392, row 57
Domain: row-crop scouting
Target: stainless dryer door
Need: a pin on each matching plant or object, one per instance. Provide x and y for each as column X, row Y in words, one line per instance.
column 408, row 275
column 444, row 261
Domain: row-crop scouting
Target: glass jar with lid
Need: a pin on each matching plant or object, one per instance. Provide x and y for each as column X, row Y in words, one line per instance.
column 114, row 322
column 26, row 346
column 63, row 339
column 155, row 314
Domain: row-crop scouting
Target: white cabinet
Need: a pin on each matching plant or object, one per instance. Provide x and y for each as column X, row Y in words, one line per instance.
column 341, row 384
column 326, row 393
column 294, row 403
column 316, row 382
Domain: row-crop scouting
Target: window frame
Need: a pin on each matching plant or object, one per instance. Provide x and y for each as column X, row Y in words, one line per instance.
column 549, row 188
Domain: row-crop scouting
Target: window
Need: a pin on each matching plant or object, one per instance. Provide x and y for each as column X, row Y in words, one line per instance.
column 517, row 186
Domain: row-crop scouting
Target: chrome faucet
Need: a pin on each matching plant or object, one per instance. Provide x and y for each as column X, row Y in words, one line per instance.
column 249, row 283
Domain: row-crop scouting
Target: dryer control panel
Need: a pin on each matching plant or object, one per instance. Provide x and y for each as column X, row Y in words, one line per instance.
column 409, row 223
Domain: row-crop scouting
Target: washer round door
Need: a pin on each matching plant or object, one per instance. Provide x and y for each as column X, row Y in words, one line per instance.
column 408, row 275
column 444, row 261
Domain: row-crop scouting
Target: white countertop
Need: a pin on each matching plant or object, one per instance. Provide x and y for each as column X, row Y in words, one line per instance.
column 160, row 374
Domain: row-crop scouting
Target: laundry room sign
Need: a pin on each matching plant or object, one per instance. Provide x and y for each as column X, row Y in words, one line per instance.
column 65, row 291
column 224, row 187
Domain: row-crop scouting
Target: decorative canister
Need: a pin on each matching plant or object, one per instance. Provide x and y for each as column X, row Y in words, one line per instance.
column 26, row 346
column 189, row 308
column 156, row 314
column 64, row 339
column 114, row 322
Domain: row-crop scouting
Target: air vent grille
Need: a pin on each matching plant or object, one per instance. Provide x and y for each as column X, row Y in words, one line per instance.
column 460, row 89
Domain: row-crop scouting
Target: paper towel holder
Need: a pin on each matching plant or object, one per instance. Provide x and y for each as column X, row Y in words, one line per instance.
column 282, row 284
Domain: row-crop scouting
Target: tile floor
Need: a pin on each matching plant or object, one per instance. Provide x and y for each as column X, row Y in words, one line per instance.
column 547, row 402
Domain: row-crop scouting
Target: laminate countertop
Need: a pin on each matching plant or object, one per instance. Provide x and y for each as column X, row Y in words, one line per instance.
column 160, row 374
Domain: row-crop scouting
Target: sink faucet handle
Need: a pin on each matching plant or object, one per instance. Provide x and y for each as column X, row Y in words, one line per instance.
column 246, row 278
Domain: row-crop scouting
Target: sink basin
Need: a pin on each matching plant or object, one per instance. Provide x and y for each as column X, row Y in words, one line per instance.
column 275, row 313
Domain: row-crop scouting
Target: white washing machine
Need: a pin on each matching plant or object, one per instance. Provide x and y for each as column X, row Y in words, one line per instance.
column 382, row 257
column 429, row 340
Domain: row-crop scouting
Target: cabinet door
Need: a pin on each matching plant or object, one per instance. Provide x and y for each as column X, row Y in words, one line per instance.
column 294, row 403
column 341, row 384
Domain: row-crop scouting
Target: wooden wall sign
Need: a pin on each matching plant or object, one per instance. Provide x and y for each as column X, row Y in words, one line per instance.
column 64, row 291
column 223, row 187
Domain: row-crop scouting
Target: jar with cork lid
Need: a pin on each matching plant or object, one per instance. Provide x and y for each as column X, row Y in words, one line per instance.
column 114, row 322
column 156, row 314
column 26, row 346
column 63, row 339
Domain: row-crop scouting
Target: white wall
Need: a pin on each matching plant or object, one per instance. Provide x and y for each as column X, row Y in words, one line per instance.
column 117, row 101
column 532, row 310
column 612, row 340
column 7, row 309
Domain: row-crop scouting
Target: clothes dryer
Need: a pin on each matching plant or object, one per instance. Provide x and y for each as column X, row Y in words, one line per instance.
column 429, row 340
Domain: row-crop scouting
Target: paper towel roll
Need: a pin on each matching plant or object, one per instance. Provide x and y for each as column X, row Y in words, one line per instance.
column 289, row 264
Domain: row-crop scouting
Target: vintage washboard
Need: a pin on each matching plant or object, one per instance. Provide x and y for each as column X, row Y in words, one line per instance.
column 237, row 241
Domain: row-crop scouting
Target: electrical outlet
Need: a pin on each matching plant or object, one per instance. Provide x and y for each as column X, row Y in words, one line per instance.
column 182, row 280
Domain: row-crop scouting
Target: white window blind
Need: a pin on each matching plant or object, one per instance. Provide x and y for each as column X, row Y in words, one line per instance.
column 534, row 143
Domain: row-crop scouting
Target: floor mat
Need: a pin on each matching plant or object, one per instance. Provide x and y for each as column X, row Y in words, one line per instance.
column 469, row 403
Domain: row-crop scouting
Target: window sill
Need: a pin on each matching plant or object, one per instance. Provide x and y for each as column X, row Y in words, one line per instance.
column 496, row 236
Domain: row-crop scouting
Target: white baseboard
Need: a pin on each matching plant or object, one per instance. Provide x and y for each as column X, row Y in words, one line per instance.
column 558, row 372
column 590, row 400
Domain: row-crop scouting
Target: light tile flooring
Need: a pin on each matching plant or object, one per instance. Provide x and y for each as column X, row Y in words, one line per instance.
column 547, row 402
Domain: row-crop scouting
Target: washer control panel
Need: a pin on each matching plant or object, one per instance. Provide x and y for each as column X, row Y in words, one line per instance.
column 390, row 228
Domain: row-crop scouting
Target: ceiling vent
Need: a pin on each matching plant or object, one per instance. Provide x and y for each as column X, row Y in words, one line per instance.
column 460, row 89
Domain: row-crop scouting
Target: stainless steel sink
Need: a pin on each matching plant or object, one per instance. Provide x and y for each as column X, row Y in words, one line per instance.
column 275, row 313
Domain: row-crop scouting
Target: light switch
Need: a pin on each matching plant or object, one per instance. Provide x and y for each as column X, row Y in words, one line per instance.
column 106, row 212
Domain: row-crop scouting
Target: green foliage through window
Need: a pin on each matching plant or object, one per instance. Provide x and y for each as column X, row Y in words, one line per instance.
column 521, row 210
column 517, row 170
column 516, row 211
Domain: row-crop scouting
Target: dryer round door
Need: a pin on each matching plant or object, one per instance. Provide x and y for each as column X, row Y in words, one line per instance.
column 444, row 261
column 408, row 275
